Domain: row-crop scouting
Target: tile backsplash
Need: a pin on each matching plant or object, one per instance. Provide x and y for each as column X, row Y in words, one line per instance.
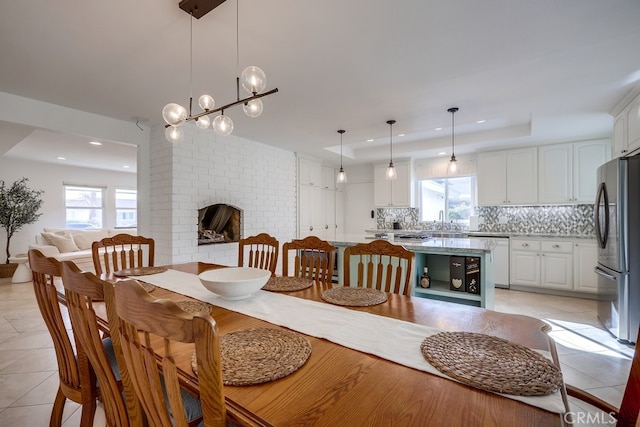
column 534, row 219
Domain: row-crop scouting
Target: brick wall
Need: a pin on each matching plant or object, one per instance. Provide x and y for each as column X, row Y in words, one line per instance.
column 205, row 169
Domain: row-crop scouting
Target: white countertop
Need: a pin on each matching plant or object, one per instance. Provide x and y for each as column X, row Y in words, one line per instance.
column 444, row 245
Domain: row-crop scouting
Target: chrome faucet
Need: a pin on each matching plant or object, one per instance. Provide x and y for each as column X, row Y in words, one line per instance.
column 441, row 219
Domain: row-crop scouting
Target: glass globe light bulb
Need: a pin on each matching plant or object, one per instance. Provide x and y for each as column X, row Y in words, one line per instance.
column 223, row 125
column 203, row 122
column 391, row 172
column 342, row 175
column 253, row 79
column 206, row 102
column 174, row 134
column 174, row 114
column 253, row 108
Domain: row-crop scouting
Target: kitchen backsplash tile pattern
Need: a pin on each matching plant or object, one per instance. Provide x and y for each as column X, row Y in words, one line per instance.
column 543, row 219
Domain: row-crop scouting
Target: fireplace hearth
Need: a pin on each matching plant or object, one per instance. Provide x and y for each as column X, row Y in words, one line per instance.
column 219, row 223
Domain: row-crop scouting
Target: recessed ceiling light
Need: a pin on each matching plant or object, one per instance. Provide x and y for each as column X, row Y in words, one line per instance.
column 95, row 143
column 438, row 129
column 369, row 140
column 125, row 166
column 402, row 134
column 61, row 158
column 442, row 153
column 481, row 121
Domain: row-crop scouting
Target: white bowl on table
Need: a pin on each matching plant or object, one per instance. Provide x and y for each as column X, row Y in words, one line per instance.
column 234, row 283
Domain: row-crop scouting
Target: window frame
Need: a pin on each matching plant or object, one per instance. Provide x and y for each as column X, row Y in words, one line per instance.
column 89, row 188
column 472, row 202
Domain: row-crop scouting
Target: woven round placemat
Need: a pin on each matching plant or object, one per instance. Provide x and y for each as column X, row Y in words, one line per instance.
column 140, row 271
column 195, row 307
column 356, row 297
column 491, row 363
column 287, row 284
column 256, row 356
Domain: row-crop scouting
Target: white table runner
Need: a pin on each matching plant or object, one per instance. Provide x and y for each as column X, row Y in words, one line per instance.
column 391, row 339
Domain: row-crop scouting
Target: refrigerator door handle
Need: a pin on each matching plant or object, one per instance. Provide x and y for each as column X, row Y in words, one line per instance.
column 602, row 235
column 601, row 272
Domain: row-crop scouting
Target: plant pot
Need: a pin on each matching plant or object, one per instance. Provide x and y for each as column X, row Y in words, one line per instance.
column 7, row 270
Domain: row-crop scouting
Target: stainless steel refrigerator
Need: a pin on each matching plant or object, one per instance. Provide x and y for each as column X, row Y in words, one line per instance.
column 617, row 224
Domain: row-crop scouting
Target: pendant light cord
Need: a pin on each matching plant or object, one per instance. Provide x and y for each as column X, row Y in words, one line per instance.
column 453, row 134
column 237, row 50
column 190, row 61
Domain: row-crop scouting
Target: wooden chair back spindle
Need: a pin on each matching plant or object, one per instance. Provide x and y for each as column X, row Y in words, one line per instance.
column 122, row 251
column 313, row 259
column 380, row 265
column 262, row 251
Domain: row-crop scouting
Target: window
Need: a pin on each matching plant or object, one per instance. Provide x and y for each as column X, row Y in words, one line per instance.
column 454, row 197
column 126, row 208
column 84, row 206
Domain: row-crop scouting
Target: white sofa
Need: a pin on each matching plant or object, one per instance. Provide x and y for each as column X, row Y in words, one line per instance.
column 66, row 244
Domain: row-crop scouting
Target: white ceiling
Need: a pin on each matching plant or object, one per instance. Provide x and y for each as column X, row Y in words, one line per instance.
column 536, row 71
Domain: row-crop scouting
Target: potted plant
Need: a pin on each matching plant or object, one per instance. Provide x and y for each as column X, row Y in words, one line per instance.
column 19, row 206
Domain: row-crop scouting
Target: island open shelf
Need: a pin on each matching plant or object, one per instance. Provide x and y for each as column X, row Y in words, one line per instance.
column 435, row 254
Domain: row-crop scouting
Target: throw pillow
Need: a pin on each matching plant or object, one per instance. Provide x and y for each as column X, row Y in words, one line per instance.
column 47, row 235
column 63, row 243
column 85, row 238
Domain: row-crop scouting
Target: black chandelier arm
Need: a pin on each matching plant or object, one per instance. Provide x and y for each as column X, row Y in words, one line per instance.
column 233, row 104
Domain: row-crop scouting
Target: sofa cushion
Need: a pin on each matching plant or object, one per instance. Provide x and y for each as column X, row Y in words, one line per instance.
column 63, row 243
column 85, row 238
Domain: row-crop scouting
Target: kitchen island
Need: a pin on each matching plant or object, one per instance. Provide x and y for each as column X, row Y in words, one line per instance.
column 435, row 253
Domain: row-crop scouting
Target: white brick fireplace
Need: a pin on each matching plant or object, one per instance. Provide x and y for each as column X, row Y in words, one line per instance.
column 206, row 169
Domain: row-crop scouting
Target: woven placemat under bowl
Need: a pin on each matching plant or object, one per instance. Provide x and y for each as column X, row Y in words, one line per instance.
column 491, row 363
column 195, row 307
column 355, row 297
column 287, row 284
column 256, row 356
column 140, row 271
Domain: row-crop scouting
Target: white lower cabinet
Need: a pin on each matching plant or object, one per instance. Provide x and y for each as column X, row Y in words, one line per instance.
column 556, row 265
column 525, row 262
column 585, row 257
column 553, row 264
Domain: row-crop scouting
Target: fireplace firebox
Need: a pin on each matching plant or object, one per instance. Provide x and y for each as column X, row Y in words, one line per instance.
column 219, row 223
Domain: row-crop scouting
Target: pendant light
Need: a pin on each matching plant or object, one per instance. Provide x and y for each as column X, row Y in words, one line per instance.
column 453, row 163
column 391, row 170
column 342, row 176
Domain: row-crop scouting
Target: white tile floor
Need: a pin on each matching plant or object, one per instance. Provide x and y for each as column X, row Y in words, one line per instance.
column 591, row 358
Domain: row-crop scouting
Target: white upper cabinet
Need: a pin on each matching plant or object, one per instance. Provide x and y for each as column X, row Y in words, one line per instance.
column 309, row 172
column 396, row 193
column 555, row 180
column 587, row 157
column 328, row 178
column 508, row 177
column 568, row 171
column 626, row 125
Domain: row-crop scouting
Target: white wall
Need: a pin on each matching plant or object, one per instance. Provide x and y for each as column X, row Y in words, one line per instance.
column 50, row 178
column 205, row 169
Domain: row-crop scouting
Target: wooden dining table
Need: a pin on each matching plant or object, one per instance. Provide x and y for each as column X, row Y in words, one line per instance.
column 338, row 386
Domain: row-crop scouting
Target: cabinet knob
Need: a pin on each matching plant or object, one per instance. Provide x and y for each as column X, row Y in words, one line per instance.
column 326, row 227
column 556, row 246
column 311, row 228
column 525, row 245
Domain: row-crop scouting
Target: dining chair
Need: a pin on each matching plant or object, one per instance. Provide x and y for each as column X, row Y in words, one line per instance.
column 313, row 258
column 82, row 289
column 147, row 328
column 380, row 265
column 260, row 251
column 74, row 373
column 122, row 251
column 628, row 412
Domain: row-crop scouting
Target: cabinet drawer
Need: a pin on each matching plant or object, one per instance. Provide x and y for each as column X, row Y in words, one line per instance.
column 557, row 246
column 525, row 245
